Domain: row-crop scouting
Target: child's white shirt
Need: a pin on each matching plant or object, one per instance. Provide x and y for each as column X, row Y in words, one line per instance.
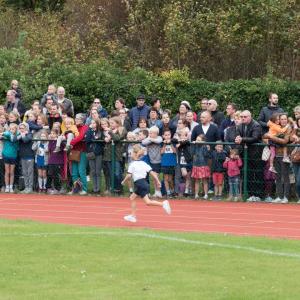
column 139, row 169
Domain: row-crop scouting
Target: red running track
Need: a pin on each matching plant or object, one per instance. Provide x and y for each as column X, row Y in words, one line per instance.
column 253, row 219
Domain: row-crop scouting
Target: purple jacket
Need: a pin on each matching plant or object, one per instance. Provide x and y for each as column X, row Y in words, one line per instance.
column 55, row 158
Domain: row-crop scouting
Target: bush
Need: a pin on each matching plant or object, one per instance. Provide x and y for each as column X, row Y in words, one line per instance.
column 83, row 82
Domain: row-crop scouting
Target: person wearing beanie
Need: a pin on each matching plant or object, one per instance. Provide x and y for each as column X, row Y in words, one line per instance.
column 26, row 155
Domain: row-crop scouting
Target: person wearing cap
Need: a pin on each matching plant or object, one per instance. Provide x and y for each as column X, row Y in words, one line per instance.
column 217, row 115
column 78, row 143
column 141, row 110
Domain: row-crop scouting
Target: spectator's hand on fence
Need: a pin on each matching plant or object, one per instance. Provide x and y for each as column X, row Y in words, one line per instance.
column 238, row 139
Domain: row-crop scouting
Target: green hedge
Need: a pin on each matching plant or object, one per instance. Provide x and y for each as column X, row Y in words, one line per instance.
column 83, row 82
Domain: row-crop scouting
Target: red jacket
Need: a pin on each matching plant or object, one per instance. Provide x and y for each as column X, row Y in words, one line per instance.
column 233, row 166
column 78, row 142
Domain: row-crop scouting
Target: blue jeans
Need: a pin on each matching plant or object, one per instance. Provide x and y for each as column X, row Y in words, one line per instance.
column 296, row 167
column 234, row 185
column 79, row 170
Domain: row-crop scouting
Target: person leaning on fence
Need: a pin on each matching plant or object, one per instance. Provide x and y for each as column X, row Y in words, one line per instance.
column 95, row 153
column 200, row 170
column 26, row 155
column 282, row 168
column 41, row 160
column 78, row 145
column 249, row 132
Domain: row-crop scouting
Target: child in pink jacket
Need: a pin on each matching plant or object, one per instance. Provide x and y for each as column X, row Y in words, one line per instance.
column 232, row 164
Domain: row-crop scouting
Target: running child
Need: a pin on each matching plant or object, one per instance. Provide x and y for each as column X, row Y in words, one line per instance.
column 138, row 170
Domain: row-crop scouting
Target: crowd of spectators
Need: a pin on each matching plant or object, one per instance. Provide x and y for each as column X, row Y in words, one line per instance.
column 196, row 152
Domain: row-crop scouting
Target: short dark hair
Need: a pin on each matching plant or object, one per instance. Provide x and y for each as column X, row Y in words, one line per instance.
column 141, row 96
column 154, row 99
column 233, row 105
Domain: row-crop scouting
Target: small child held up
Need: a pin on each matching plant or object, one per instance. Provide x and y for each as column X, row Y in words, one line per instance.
column 218, row 157
column 138, row 170
column 276, row 130
column 233, row 163
column 67, row 135
column 201, row 169
column 41, row 160
column 168, row 162
column 10, row 153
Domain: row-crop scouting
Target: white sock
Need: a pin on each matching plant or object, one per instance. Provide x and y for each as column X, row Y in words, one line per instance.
column 40, row 180
column 45, row 182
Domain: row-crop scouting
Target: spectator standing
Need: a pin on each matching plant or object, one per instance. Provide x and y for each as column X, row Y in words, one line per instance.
column 229, row 120
column 139, row 111
column 15, row 86
column 203, row 105
column 267, row 111
column 217, row 115
column 65, row 104
column 50, row 94
column 14, row 104
column 101, row 110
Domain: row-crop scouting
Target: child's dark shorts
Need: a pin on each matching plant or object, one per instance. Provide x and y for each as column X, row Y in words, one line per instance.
column 168, row 170
column 141, row 187
column 155, row 167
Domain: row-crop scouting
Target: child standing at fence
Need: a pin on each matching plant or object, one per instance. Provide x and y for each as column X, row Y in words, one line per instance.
column 276, row 130
column 232, row 164
column 218, row 157
column 41, row 160
column 10, row 153
column 153, row 144
column 200, row 169
column 138, row 170
column 26, row 155
column 184, row 159
column 55, row 164
column 168, row 162
column 2, row 169
column 107, row 154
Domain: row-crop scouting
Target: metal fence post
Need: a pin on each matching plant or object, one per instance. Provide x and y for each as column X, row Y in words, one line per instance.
column 245, row 173
column 113, row 167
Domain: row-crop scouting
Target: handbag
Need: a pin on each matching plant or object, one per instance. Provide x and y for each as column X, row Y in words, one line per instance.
column 266, row 153
column 295, row 155
column 74, row 155
column 90, row 155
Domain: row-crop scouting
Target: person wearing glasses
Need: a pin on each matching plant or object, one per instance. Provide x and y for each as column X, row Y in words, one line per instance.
column 217, row 115
column 141, row 110
column 250, row 132
column 101, row 110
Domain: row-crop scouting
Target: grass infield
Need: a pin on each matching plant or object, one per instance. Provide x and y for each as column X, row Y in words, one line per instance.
column 41, row 261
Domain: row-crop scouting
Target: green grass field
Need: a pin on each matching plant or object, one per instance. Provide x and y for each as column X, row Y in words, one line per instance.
column 41, row 261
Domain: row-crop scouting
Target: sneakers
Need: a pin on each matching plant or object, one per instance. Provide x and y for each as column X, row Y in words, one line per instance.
column 268, row 199
column 210, row 192
column 6, row 189
column 236, row 199
column 272, row 169
column 196, row 197
column 284, row 200
column 130, row 218
column 286, row 159
column 11, row 190
column 166, row 207
column 253, row 199
column 82, row 193
column 277, row 200
column 205, row 197
column 298, row 201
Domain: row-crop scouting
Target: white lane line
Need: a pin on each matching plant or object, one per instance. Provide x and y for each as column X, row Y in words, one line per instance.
column 161, row 237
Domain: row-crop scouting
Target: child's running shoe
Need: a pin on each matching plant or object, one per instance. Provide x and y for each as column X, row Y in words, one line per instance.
column 167, row 207
column 130, row 218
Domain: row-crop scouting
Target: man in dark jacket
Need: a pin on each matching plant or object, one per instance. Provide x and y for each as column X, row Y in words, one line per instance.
column 250, row 132
column 217, row 115
column 229, row 121
column 14, row 104
column 139, row 111
column 267, row 111
column 65, row 104
column 207, row 128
